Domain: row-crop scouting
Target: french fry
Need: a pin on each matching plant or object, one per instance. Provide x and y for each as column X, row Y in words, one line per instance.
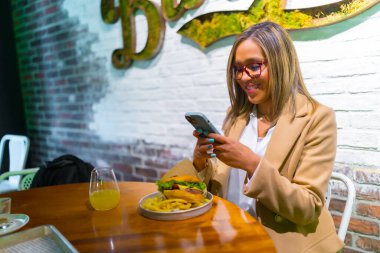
column 165, row 205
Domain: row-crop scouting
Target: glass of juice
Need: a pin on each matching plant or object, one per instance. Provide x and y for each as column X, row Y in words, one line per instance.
column 104, row 191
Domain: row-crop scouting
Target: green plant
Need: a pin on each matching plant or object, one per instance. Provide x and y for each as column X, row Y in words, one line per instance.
column 208, row 28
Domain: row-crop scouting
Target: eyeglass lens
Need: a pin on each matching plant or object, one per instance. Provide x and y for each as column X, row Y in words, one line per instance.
column 253, row 70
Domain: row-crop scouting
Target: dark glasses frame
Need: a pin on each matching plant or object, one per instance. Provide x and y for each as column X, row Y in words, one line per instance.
column 247, row 71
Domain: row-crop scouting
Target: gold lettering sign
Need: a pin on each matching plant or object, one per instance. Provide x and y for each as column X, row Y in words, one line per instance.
column 122, row 58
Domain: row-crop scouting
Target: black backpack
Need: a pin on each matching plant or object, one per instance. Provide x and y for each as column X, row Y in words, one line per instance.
column 66, row 169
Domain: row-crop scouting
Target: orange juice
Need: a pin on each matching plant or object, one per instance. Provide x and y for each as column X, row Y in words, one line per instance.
column 105, row 199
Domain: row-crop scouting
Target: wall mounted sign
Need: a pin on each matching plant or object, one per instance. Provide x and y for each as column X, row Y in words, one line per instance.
column 211, row 27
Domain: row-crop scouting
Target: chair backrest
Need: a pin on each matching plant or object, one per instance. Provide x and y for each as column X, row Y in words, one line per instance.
column 351, row 195
column 26, row 181
column 18, row 153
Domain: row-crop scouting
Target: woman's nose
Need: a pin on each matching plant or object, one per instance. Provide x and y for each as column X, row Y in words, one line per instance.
column 246, row 75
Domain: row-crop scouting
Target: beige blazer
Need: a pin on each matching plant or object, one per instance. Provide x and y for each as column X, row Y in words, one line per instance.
column 291, row 180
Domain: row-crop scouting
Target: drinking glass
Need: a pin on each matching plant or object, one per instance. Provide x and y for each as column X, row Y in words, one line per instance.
column 104, row 191
column 5, row 205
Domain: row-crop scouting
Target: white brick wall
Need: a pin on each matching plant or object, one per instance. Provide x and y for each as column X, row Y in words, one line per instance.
column 148, row 101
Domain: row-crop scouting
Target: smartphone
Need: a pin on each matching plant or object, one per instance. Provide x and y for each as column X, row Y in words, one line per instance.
column 199, row 120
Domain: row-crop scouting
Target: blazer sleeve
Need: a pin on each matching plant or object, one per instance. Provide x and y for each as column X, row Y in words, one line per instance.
column 300, row 196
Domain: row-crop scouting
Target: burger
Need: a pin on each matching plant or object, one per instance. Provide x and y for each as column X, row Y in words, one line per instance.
column 188, row 188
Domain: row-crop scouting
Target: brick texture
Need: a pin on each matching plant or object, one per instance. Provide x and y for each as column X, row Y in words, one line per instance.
column 61, row 80
column 372, row 245
column 364, row 226
column 368, row 210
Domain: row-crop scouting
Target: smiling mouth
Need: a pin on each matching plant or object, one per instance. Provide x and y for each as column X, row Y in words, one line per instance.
column 251, row 87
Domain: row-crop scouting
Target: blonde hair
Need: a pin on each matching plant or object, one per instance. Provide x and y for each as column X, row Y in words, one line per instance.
column 285, row 77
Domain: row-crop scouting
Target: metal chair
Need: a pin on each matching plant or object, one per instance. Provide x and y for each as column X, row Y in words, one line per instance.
column 18, row 152
column 351, row 195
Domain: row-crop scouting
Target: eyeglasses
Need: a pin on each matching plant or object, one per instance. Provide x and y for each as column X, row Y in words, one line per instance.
column 253, row 70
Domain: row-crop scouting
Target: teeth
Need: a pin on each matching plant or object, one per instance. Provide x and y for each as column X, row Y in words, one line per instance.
column 251, row 87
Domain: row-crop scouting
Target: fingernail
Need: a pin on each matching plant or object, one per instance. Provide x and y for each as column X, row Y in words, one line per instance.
column 211, row 140
column 213, row 155
column 199, row 130
column 209, row 146
column 205, row 133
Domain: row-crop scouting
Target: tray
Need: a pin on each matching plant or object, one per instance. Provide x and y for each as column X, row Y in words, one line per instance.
column 44, row 238
column 175, row 215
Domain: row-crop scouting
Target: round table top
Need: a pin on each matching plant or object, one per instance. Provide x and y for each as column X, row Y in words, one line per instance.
column 224, row 228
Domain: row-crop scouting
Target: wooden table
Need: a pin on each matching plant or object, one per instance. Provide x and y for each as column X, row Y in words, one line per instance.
column 224, row 228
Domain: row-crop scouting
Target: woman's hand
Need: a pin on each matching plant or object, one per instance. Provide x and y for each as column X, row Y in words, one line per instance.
column 202, row 151
column 234, row 153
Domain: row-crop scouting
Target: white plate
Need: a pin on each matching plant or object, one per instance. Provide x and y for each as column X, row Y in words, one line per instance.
column 15, row 222
column 174, row 215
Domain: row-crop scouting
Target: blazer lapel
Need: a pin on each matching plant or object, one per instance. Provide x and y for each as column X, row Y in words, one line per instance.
column 287, row 132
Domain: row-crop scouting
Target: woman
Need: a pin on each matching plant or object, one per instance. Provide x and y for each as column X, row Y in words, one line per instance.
column 277, row 155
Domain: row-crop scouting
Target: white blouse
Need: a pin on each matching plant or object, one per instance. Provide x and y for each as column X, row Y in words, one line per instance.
column 258, row 145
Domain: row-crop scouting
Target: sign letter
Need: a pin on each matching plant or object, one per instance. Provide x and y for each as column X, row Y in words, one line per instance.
column 122, row 58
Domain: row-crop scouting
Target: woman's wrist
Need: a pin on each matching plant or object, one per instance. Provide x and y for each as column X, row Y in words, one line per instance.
column 199, row 164
column 252, row 165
